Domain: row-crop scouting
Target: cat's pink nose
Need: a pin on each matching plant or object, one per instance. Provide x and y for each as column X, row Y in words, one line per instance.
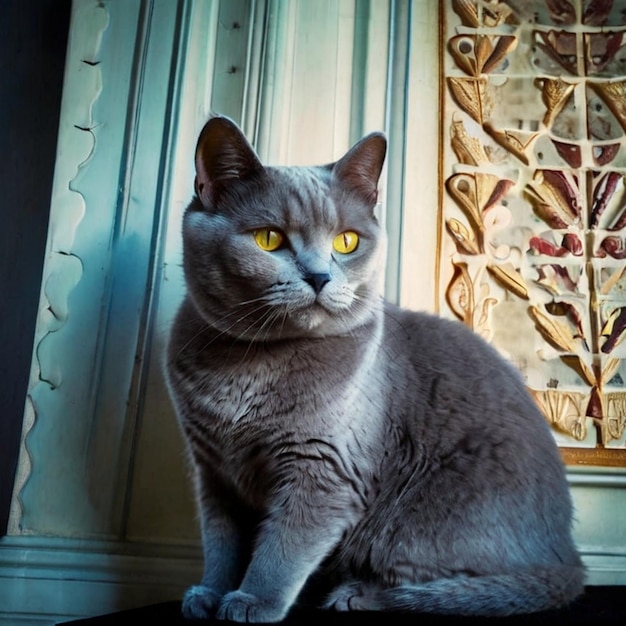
column 317, row 281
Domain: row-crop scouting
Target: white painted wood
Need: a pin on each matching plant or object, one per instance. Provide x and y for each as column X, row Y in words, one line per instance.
column 161, row 507
column 420, row 209
column 87, row 376
column 306, row 92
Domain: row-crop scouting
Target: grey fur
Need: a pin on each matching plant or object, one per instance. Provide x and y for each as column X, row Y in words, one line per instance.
column 347, row 452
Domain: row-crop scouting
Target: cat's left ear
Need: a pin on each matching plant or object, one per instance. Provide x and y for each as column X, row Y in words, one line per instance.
column 223, row 155
column 360, row 168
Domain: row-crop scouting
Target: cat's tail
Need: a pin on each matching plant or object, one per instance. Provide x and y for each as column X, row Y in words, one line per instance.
column 524, row 591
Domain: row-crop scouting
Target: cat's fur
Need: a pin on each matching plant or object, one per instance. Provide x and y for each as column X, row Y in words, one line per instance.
column 344, row 450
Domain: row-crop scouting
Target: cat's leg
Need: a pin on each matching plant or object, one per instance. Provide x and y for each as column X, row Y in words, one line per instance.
column 225, row 542
column 292, row 541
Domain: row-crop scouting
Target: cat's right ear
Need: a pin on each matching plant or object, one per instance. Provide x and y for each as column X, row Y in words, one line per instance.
column 223, row 155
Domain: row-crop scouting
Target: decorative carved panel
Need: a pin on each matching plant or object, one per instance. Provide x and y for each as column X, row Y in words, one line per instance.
column 533, row 237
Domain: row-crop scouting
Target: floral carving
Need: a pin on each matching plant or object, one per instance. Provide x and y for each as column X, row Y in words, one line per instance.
column 479, row 196
column 616, row 416
column 565, row 411
column 489, row 14
column 471, row 95
column 555, row 92
column 468, row 149
column 537, row 198
column 555, row 196
column 614, row 329
column 469, row 304
column 480, row 54
column 614, row 95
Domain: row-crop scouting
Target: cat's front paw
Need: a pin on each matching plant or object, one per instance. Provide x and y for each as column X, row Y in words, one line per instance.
column 200, row 602
column 238, row 606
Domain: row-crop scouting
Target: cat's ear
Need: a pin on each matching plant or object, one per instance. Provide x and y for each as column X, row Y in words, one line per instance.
column 223, row 155
column 360, row 168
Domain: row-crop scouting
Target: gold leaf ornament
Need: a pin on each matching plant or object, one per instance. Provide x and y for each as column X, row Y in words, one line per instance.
column 614, row 95
column 491, row 13
column 468, row 149
column 564, row 410
column 466, row 192
column 471, row 95
column 475, row 193
column 560, row 335
column 610, row 369
column 555, row 93
column 480, row 54
column 509, row 278
column 614, row 277
column 460, row 294
column 580, row 367
column 571, row 313
column 555, row 197
column 515, row 142
column 465, row 240
column 467, row 10
column 554, row 331
column 615, row 415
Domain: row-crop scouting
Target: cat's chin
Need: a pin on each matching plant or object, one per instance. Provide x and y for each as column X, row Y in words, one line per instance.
column 317, row 321
column 309, row 319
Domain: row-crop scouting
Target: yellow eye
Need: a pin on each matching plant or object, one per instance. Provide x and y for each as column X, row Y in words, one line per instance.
column 346, row 242
column 268, row 239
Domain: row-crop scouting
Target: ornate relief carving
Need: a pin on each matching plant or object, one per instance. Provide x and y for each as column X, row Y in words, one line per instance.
column 472, row 96
column 480, row 54
column 63, row 268
column 555, row 92
column 565, row 411
column 535, row 203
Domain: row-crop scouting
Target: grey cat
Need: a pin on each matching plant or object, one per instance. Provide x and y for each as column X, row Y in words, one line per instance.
column 347, row 452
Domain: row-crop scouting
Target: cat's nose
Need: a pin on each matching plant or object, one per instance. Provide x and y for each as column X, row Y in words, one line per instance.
column 317, row 281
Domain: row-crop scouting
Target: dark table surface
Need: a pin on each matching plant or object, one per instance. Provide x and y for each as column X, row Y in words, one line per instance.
column 599, row 605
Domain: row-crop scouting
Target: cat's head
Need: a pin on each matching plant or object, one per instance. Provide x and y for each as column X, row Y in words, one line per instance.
column 282, row 252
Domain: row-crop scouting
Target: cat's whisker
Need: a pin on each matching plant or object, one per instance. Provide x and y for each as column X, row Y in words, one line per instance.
column 183, row 348
column 265, row 320
column 262, row 324
column 227, row 331
column 263, row 298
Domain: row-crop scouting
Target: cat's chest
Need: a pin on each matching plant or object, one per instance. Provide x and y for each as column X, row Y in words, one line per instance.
column 255, row 422
column 229, row 397
column 246, row 409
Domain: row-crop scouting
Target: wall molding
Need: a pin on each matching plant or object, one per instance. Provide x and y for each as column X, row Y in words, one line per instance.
column 590, row 476
column 46, row 580
column 604, row 568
